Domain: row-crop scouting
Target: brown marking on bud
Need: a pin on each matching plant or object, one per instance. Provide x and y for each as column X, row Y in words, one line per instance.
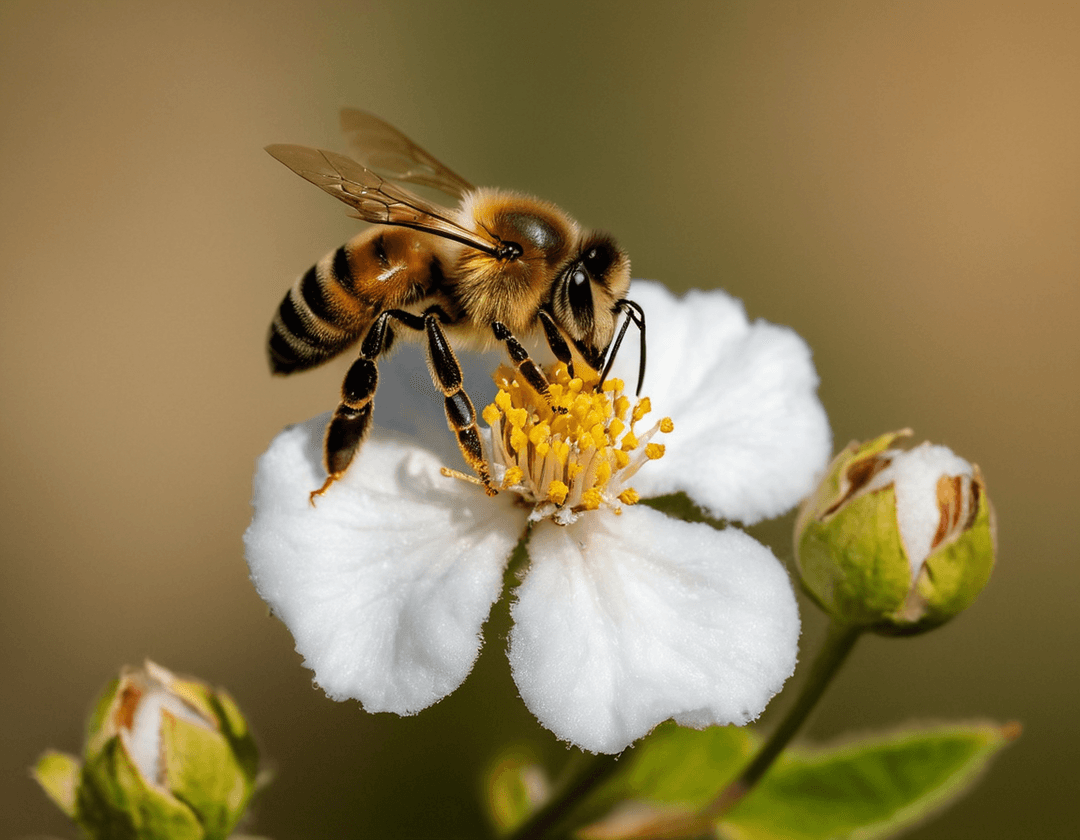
column 958, row 501
column 977, row 491
column 950, row 502
column 129, row 702
column 857, row 475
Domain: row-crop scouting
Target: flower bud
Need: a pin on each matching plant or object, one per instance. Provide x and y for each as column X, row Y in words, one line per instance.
column 164, row 757
column 897, row 541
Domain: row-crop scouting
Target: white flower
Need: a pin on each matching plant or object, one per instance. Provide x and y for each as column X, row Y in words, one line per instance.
column 625, row 617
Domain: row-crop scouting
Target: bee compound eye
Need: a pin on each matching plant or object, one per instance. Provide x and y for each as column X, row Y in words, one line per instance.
column 579, row 294
column 598, row 259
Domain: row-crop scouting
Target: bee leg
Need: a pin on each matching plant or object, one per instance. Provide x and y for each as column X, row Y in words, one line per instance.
column 352, row 419
column 460, row 414
column 634, row 313
column 556, row 342
column 526, row 366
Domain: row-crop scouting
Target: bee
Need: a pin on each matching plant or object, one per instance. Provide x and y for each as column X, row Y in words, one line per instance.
column 496, row 268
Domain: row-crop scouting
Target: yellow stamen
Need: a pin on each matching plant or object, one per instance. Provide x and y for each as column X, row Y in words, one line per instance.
column 557, row 492
column 578, row 460
column 518, row 417
column 643, row 407
column 592, row 499
column 581, row 405
column 538, row 433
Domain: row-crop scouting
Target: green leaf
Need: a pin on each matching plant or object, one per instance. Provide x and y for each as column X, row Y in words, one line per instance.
column 97, row 729
column 515, row 786
column 870, row 788
column 684, row 766
column 58, row 773
column 203, row 773
column 665, row 780
column 235, row 729
column 672, row 766
column 116, row 802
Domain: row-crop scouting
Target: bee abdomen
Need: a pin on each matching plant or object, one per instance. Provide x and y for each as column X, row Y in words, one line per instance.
column 319, row 317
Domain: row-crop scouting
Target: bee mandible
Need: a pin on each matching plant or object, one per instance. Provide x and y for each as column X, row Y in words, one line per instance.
column 494, row 269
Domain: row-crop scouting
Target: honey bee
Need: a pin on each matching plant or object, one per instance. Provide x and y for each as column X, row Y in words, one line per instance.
column 499, row 266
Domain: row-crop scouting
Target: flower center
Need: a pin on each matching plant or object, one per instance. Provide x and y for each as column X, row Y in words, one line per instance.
column 574, row 454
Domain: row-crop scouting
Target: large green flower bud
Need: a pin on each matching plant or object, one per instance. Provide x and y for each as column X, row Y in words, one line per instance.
column 897, row 541
column 164, row 758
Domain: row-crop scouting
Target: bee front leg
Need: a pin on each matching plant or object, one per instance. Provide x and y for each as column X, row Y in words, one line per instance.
column 352, row 419
column 460, row 414
column 525, row 365
column 556, row 342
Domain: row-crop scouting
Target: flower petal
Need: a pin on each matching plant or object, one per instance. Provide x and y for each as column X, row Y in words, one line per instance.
column 626, row 621
column 386, row 582
column 750, row 435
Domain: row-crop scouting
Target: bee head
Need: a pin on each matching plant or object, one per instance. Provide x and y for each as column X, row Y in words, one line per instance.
column 585, row 297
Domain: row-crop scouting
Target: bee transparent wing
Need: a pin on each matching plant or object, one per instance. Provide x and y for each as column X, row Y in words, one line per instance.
column 380, row 146
column 374, row 198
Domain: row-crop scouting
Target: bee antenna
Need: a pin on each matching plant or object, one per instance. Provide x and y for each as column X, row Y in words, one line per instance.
column 634, row 313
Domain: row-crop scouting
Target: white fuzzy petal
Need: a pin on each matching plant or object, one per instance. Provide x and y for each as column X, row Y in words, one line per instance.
column 386, row 582
column 918, row 513
column 626, row 621
column 751, row 436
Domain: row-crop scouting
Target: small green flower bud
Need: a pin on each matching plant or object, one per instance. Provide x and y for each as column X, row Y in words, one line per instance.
column 165, row 757
column 896, row 541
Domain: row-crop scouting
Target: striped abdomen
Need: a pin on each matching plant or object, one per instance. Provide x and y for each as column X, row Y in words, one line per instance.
column 332, row 305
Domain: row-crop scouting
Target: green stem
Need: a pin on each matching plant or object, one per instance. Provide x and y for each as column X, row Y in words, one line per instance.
column 597, row 770
column 838, row 644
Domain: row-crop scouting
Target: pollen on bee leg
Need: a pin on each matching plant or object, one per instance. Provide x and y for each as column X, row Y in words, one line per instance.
column 472, row 479
column 566, row 463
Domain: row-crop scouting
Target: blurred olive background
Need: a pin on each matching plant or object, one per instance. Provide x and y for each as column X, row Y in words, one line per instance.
column 900, row 182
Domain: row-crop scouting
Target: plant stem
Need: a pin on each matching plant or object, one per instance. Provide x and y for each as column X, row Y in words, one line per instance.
column 838, row 644
column 596, row 770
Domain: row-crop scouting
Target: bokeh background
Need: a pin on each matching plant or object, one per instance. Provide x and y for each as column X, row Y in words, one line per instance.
column 900, row 182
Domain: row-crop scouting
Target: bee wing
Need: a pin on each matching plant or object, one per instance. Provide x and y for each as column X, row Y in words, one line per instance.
column 374, row 198
column 382, row 147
